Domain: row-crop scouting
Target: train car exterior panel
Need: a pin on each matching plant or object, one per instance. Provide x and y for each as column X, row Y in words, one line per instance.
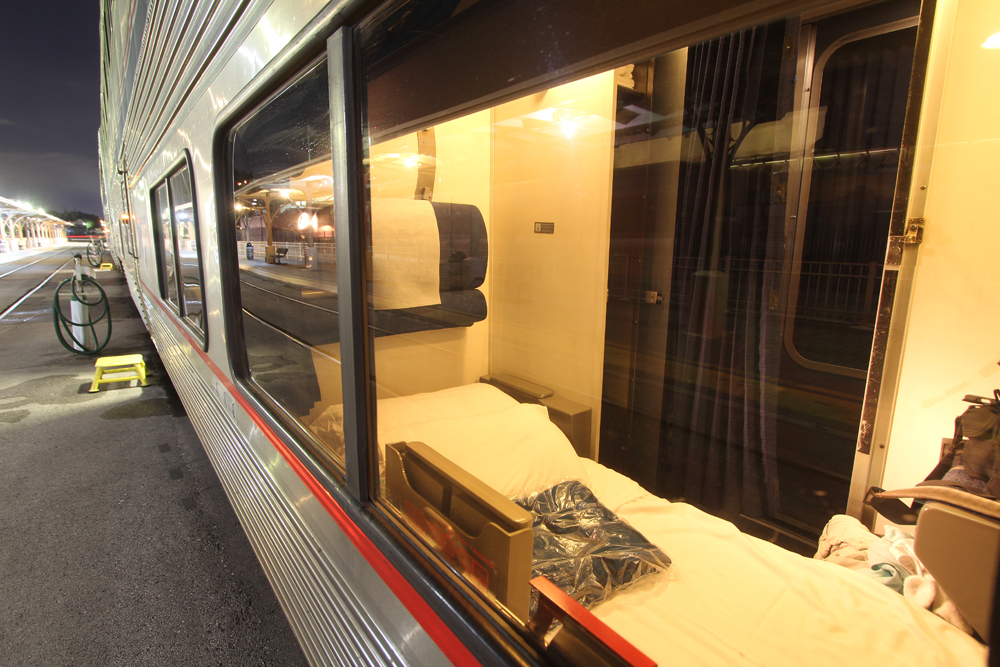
column 270, row 35
column 315, row 568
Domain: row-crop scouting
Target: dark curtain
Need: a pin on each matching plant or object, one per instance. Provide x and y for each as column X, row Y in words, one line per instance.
column 718, row 443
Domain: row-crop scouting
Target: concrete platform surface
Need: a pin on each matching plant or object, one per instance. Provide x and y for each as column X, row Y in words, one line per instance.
column 117, row 543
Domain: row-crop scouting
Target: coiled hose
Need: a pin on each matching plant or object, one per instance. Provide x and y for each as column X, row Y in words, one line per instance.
column 63, row 323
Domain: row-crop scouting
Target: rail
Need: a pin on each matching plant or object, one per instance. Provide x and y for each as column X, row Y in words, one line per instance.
column 325, row 252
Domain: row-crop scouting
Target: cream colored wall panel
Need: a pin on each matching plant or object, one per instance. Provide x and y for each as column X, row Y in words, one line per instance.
column 554, row 157
column 952, row 343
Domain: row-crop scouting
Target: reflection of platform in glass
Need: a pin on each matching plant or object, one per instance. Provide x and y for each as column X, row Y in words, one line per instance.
column 290, row 274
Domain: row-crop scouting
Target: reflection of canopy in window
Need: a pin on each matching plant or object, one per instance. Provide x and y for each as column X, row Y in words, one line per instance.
column 287, row 196
column 308, row 185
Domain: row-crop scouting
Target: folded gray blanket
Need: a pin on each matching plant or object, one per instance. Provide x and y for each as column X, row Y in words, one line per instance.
column 585, row 548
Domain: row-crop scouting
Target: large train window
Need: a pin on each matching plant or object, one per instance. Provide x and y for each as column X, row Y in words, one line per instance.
column 567, row 269
column 282, row 198
column 178, row 250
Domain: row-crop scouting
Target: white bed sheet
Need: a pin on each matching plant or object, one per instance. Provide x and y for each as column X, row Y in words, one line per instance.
column 727, row 599
column 513, row 447
column 516, row 450
column 732, row 599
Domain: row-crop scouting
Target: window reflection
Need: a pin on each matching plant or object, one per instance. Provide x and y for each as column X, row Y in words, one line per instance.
column 178, row 251
column 847, row 196
column 283, row 212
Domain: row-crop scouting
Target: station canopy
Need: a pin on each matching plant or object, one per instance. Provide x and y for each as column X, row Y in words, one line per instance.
column 23, row 226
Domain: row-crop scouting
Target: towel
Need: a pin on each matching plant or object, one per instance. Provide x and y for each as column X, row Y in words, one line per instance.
column 889, row 560
column 896, row 549
column 845, row 541
column 406, row 254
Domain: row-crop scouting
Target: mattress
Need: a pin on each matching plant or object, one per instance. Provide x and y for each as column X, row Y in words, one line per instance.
column 727, row 598
column 732, row 599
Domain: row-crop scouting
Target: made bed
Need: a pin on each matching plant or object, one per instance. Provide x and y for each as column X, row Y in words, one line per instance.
column 721, row 597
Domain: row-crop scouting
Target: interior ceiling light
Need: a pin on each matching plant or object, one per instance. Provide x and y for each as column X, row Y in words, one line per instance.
column 992, row 42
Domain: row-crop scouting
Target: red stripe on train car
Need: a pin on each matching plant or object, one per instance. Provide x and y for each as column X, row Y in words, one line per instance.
column 441, row 634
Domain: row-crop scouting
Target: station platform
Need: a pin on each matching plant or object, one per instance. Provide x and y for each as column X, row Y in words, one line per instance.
column 14, row 255
column 118, row 546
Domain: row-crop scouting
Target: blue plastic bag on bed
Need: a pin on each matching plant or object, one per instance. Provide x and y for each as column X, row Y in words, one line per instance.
column 585, row 548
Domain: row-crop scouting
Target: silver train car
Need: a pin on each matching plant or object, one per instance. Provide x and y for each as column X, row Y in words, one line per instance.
column 567, row 332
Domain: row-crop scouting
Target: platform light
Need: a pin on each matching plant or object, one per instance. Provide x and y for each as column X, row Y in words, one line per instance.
column 992, row 42
column 305, row 220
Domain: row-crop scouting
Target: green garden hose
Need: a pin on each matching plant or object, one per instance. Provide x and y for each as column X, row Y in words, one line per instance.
column 63, row 323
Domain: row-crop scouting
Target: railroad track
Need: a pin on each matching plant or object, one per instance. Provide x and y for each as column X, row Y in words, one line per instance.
column 23, row 278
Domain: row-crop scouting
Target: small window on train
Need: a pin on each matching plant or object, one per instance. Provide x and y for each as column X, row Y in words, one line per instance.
column 282, row 223
column 165, row 245
column 177, row 246
column 124, row 240
column 188, row 252
column 596, row 269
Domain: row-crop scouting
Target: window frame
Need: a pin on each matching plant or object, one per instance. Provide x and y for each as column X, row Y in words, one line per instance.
column 303, row 444
column 813, row 67
column 179, row 308
column 161, row 261
column 351, row 225
column 744, row 15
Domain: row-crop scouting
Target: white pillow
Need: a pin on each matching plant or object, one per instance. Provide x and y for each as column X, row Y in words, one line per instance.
column 462, row 401
column 516, row 450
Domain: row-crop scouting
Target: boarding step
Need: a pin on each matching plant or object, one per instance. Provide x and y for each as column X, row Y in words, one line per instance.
column 128, row 363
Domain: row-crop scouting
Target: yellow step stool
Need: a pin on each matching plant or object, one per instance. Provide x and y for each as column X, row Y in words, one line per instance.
column 122, row 364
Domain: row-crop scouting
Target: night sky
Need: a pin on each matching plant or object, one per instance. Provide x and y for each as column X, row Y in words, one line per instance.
column 50, row 104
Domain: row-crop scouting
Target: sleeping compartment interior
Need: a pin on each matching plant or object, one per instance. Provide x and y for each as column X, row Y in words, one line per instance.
column 708, row 294
column 684, row 250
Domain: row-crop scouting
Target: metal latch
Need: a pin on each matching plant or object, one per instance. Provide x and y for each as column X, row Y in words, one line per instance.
column 914, row 231
column 653, row 297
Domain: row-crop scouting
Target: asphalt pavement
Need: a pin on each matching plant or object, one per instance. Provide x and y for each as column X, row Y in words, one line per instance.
column 117, row 543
